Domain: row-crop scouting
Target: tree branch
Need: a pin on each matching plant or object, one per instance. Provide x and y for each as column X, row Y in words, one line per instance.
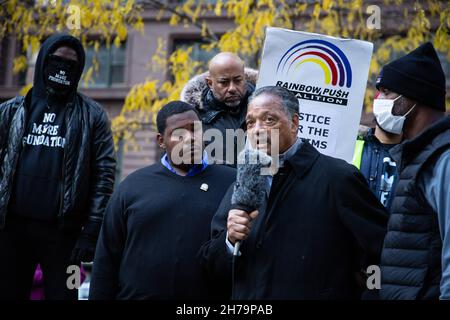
column 211, row 36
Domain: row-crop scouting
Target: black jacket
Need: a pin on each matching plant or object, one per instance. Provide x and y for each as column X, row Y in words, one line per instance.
column 411, row 258
column 216, row 115
column 87, row 177
column 378, row 167
column 321, row 226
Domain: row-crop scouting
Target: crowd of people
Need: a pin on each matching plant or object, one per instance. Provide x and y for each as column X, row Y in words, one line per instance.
column 171, row 230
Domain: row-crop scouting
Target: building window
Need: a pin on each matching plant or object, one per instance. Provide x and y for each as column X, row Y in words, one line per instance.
column 111, row 66
column 3, row 60
column 7, row 55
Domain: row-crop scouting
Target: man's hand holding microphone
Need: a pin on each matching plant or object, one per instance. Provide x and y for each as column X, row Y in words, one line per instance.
column 248, row 195
column 239, row 224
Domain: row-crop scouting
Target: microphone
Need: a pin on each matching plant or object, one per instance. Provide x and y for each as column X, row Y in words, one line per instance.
column 250, row 187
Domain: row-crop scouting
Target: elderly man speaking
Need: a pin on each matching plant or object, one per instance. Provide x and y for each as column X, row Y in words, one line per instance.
column 318, row 228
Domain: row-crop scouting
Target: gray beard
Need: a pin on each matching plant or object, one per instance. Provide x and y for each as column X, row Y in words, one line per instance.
column 233, row 104
column 228, row 104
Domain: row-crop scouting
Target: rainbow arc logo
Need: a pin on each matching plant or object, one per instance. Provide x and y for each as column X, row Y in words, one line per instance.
column 328, row 56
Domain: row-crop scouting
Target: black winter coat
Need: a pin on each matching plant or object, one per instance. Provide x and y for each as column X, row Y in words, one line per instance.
column 321, row 226
column 87, row 178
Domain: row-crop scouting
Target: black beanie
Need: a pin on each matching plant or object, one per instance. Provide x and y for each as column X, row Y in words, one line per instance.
column 418, row 76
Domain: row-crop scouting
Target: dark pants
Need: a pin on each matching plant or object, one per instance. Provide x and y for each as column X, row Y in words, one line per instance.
column 23, row 244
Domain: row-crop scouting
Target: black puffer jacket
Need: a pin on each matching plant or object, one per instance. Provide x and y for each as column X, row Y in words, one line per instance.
column 411, row 261
column 87, row 177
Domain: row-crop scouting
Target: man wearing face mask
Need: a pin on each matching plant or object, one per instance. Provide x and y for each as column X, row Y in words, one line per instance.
column 415, row 262
column 56, row 174
column 373, row 159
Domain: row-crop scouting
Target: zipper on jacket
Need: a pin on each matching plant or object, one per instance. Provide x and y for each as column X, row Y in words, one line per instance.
column 63, row 165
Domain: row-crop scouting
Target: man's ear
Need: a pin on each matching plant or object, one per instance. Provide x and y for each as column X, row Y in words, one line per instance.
column 208, row 81
column 160, row 139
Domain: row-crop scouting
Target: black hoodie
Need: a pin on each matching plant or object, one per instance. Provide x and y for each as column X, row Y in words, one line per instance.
column 37, row 184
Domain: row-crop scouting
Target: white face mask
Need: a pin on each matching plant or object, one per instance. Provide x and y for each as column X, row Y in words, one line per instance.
column 382, row 109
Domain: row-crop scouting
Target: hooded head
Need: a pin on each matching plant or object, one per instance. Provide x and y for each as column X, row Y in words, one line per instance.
column 54, row 74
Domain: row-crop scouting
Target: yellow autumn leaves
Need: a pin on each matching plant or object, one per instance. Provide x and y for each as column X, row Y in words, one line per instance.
column 414, row 23
column 31, row 23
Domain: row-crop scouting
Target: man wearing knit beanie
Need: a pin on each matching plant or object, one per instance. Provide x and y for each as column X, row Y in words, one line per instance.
column 415, row 262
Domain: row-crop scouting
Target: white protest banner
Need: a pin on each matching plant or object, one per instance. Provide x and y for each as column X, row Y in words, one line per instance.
column 328, row 75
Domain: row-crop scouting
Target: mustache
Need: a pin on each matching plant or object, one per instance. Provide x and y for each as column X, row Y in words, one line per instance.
column 234, row 96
